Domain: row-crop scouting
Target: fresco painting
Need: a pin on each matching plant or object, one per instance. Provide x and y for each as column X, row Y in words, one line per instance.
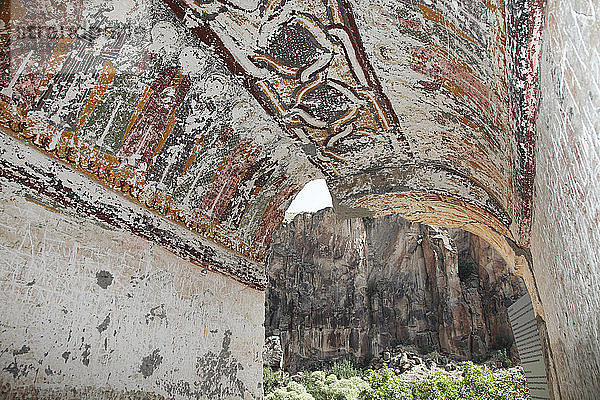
column 214, row 114
column 140, row 106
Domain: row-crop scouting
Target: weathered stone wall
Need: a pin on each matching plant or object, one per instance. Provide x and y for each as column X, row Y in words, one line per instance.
column 566, row 229
column 348, row 288
column 89, row 311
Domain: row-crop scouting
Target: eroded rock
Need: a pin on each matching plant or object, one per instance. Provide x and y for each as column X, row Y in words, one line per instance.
column 349, row 288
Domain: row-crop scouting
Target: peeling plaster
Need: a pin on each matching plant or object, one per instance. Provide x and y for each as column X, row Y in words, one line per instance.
column 75, row 338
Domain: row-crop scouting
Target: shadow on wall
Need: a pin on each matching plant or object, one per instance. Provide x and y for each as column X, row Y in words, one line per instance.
column 348, row 288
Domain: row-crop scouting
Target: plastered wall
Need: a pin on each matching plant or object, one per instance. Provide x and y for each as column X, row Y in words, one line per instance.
column 566, row 223
column 89, row 311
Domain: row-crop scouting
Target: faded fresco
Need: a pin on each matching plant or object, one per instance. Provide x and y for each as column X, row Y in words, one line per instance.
column 215, row 113
column 123, row 92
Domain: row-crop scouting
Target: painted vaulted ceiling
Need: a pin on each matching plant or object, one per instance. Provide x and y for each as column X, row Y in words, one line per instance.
column 214, row 114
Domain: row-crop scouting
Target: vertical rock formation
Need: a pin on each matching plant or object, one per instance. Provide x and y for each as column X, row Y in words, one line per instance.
column 349, row 287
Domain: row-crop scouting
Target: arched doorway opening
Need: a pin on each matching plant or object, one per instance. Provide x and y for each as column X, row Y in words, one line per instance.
column 352, row 288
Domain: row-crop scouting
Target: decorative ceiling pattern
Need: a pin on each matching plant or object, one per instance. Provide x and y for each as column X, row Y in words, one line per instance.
column 124, row 93
column 215, row 113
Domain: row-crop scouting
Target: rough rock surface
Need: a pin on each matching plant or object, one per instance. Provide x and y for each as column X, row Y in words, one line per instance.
column 351, row 287
column 272, row 352
column 410, row 363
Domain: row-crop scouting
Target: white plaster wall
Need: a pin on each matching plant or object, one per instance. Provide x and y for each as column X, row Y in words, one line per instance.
column 566, row 229
column 162, row 327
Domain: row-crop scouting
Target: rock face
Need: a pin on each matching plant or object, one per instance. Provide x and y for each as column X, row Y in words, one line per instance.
column 343, row 288
column 272, row 352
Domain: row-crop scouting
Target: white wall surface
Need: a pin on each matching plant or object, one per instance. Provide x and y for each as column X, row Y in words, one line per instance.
column 566, row 230
column 92, row 312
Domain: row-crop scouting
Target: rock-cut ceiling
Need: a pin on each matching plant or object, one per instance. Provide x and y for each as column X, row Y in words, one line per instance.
column 215, row 113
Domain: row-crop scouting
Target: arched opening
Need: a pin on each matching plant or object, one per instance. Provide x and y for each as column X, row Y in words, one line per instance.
column 355, row 288
column 313, row 197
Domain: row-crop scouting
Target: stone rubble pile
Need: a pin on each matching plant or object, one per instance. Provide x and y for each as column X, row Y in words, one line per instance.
column 410, row 364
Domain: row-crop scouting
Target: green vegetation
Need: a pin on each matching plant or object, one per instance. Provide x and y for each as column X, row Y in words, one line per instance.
column 273, row 379
column 320, row 386
column 345, row 382
column 345, row 370
column 329, row 387
column 504, row 358
column 386, row 385
column 500, row 355
column 293, row 391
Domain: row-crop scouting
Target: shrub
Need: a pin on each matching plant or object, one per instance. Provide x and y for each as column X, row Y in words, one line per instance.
column 504, row 358
column 480, row 383
column 319, row 386
column 315, row 383
column 437, row 387
column 293, row 391
column 347, row 389
column 434, row 355
column 386, row 385
column 272, row 380
column 344, row 370
column 476, row 383
column 329, row 387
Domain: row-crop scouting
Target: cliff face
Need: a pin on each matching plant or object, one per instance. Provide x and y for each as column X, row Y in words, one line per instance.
column 350, row 287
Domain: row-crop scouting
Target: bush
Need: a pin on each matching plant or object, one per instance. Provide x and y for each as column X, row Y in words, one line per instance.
column 344, row 370
column 434, row 356
column 504, row 358
column 272, row 380
column 386, row 385
column 476, row 383
column 329, row 387
column 479, row 383
column 319, row 386
column 437, row 387
column 293, row 391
